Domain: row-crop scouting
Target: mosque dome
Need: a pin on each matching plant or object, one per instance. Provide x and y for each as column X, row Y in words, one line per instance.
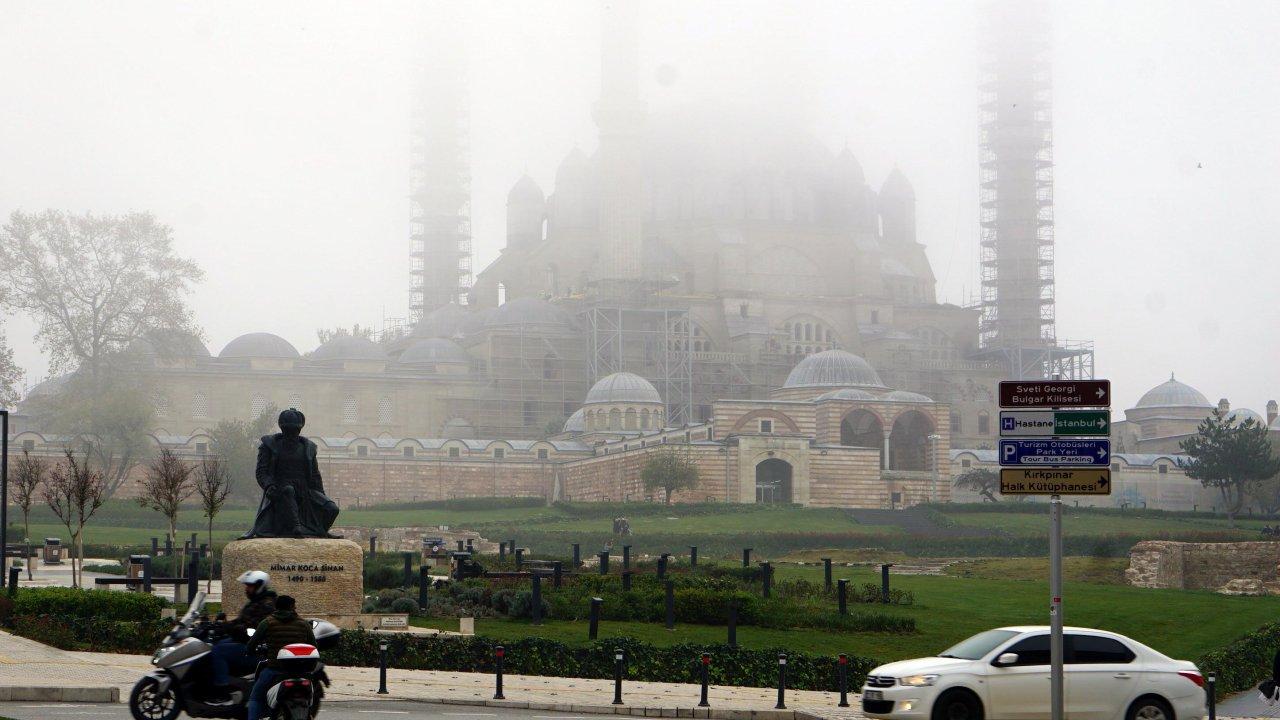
column 434, row 350
column 1242, row 414
column 48, row 387
column 833, row 368
column 443, row 322
column 528, row 311
column 1172, row 393
column 847, row 394
column 349, row 347
column 526, row 191
column 577, row 422
column 848, row 171
column 178, row 343
column 573, row 169
column 475, row 321
column 622, row 387
column 897, row 186
column 904, row 396
column 259, row 345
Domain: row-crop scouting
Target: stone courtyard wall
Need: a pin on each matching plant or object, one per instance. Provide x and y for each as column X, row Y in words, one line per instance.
column 1201, row 566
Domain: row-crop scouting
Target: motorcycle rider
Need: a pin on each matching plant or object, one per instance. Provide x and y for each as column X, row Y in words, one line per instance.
column 282, row 627
column 231, row 654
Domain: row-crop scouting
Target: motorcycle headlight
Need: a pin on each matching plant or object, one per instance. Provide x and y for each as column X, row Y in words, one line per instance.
column 162, row 653
column 918, row 680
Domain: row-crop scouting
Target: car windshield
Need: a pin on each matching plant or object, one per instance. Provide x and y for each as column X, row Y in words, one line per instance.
column 978, row 645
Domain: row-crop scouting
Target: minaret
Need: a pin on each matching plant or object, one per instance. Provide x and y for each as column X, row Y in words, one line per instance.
column 620, row 117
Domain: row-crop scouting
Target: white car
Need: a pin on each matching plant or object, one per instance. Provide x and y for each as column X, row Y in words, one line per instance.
column 1004, row 673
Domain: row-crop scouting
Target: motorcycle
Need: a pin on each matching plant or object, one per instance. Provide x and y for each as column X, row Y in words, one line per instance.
column 171, row 688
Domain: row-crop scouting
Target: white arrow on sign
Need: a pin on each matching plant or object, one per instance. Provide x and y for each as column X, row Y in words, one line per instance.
column 1101, row 393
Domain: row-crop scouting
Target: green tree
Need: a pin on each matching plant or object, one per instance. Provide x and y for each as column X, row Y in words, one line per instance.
column 1229, row 455
column 669, row 469
column 10, row 374
column 983, row 481
column 236, row 444
column 1266, row 494
column 165, row 486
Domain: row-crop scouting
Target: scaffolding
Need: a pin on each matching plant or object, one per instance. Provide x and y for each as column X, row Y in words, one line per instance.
column 653, row 342
column 440, row 188
column 535, row 377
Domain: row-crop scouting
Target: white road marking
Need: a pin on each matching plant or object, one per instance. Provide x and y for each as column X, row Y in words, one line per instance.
column 384, row 712
column 470, row 714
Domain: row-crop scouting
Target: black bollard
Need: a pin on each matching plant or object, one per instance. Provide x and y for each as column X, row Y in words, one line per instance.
column 782, row 682
column 193, row 577
column 498, row 653
column 408, row 570
column 195, row 539
column 842, row 595
column 733, row 624
column 593, row 626
column 626, row 581
column 502, row 549
column 146, row 575
column 168, row 547
column 626, row 557
column 557, row 572
column 1210, row 688
column 671, row 605
column 706, row 665
column 424, row 582
column 617, row 676
column 204, row 549
column 746, row 557
column 373, row 545
column 382, row 668
column 842, row 670
column 462, row 547
column 767, row 579
column 662, row 567
column 693, row 556
column 577, row 556
column 155, row 546
column 511, row 546
column 826, row 572
column 884, row 582
column 604, row 562
column 519, row 558
column 537, row 599
column 13, row 580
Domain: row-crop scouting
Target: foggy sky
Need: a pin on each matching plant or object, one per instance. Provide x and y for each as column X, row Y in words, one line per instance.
column 274, row 138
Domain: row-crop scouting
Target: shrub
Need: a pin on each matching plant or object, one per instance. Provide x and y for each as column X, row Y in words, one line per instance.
column 1244, row 662
column 85, row 633
column 102, row 605
column 404, row 605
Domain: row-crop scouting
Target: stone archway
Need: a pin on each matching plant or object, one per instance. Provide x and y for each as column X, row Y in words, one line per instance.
column 909, row 441
column 773, row 482
column 862, row 428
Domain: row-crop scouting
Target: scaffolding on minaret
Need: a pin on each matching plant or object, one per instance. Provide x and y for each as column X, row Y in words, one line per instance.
column 1015, row 165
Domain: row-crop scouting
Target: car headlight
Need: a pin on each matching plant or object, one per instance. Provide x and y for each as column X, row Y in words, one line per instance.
column 918, row 680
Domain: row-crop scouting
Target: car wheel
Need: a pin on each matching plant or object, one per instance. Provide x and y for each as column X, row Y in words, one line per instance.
column 958, row 705
column 1149, row 708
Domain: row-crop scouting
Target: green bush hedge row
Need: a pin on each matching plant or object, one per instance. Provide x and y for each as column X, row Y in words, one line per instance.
column 645, row 662
column 69, row 632
column 470, row 503
column 1244, row 662
column 105, row 606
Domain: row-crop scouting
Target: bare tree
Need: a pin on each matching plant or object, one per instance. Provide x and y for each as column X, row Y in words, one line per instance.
column 213, row 485
column 164, row 487
column 28, row 473
column 74, row 493
column 10, row 375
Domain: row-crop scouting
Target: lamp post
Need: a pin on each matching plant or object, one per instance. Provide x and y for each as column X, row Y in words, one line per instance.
column 933, row 453
column 4, row 492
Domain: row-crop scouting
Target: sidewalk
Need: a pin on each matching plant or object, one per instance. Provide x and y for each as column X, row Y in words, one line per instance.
column 43, row 670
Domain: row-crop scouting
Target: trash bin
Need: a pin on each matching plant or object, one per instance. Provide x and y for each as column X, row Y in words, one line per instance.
column 53, row 551
column 134, row 571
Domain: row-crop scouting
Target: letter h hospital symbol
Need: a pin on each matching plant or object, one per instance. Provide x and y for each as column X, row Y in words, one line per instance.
column 1007, row 423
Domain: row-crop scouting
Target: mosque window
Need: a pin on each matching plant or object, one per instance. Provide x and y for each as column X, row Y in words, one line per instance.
column 295, row 401
column 530, row 412
column 499, row 453
column 543, row 454
column 966, row 463
column 984, row 423
column 687, row 336
column 161, row 404
column 202, row 448
column 615, row 419
column 1115, row 466
column 875, row 317
column 349, row 410
column 1164, row 469
column 644, row 419
column 385, row 411
column 199, row 405
column 257, row 406
column 408, row 451
column 766, row 426
column 362, row 451
column 455, row 452
column 28, row 445
column 815, row 335
column 631, row 420
column 957, row 426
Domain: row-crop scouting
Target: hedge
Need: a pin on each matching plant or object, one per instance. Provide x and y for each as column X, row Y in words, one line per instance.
column 645, row 662
column 105, row 606
column 68, row 632
column 1244, row 662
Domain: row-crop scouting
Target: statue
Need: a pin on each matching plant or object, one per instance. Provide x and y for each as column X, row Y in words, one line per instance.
column 293, row 500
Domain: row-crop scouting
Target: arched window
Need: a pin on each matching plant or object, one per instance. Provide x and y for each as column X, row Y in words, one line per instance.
column 257, row 406
column 682, row 336
column 984, row 423
column 815, row 335
column 644, row 419
column 615, row 419
column 199, row 405
column 350, row 414
column 631, row 419
column 385, row 411
column 161, row 403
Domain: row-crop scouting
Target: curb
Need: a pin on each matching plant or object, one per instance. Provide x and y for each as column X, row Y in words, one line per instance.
column 38, row 693
column 632, row 710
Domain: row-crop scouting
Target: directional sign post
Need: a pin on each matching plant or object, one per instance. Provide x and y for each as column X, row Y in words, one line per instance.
column 1056, row 464
column 1054, row 423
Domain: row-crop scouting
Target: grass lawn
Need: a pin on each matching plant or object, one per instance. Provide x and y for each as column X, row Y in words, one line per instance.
column 783, row 519
column 1079, row 521
column 1108, row 571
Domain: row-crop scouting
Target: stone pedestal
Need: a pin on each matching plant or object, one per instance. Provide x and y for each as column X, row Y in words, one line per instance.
column 325, row 576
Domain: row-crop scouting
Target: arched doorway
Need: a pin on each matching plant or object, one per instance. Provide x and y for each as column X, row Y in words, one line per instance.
column 773, row 481
column 861, row 428
column 909, row 441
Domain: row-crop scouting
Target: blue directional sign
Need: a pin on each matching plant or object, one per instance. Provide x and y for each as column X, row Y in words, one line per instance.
column 1040, row 453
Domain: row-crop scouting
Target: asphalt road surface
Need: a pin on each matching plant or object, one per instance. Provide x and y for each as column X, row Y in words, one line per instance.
column 1245, row 704
column 353, row 710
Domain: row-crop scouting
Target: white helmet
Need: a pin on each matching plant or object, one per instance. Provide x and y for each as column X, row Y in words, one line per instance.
column 261, row 580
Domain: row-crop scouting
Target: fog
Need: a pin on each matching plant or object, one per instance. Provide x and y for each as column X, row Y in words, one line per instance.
column 273, row 138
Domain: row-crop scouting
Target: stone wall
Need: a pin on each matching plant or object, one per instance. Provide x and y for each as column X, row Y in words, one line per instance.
column 1201, row 566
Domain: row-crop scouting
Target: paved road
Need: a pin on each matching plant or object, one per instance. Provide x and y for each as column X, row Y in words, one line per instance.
column 1247, row 704
column 353, row 710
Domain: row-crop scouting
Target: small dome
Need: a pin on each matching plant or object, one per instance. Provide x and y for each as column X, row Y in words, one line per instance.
column 526, row 191
column 848, row 171
column 442, row 322
column 904, row 396
column 833, row 368
column 577, row 422
column 349, row 347
column 623, row 387
column 1242, row 414
column 847, row 394
column 178, row 343
column 435, row 350
column 897, row 186
column 475, row 321
column 1172, row 393
column 528, row 311
column 48, row 387
column 259, row 345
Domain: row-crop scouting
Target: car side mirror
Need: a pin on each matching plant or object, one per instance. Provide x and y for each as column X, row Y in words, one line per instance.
column 1007, row 659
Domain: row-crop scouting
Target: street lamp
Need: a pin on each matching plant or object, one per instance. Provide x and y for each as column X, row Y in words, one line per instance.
column 933, row 453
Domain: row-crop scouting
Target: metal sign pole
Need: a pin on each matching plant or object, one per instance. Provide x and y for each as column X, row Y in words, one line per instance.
column 4, row 493
column 1055, row 607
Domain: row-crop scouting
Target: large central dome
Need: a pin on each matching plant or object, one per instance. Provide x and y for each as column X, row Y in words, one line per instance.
column 833, row 368
column 623, row 387
column 1172, row 393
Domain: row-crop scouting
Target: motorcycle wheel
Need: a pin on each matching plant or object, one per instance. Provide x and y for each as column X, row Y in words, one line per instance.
column 146, row 703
